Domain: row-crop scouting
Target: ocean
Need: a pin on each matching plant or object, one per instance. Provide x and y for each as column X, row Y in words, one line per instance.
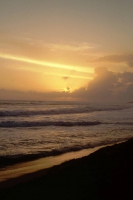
column 35, row 129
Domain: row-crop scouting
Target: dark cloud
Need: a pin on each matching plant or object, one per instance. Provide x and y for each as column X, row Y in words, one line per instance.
column 126, row 58
column 127, row 77
column 129, row 92
column 65, row 77
column 130, row 63
column 68, row 89
column 108, row 86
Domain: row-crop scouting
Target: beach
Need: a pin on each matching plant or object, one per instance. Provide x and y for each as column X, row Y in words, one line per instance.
column 66, row 100
column 104, row 174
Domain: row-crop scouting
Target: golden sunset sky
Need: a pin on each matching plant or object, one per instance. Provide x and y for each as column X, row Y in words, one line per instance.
column 73, row 49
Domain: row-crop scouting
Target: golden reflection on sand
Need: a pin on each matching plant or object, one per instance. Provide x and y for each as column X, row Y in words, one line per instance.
column 21, row 169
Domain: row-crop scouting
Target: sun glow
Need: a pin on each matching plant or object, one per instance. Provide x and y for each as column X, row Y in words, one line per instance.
column 43, row 76
column 47, row 64
column 67, row 89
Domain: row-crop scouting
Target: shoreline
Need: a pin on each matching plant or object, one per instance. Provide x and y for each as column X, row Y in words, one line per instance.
column 33, row 168
column 105, row 174
column 9, row 161
column 25, row 171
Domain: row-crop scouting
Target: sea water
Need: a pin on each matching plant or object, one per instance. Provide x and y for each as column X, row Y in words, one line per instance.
column 40, row 129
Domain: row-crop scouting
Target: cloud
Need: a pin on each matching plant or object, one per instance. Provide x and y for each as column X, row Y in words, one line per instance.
column 127, row 77
column 71, row 47
column 130, row 63
column 65, row 78
column 107, row 86
column 68, row 89
column 37, row 52
column 33, row 95
column 22, row 47
column 42, row 63
column 124, row 58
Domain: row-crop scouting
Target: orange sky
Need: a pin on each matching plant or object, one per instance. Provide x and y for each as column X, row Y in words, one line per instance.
column 48, row 46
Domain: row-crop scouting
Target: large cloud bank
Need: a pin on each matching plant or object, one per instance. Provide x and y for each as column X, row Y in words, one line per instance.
column 108, row 86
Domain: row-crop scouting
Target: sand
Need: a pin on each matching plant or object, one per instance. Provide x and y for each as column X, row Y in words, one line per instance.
column 104, row 174
column 14, row 173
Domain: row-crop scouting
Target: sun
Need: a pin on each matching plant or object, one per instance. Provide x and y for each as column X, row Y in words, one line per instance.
column 67, row 89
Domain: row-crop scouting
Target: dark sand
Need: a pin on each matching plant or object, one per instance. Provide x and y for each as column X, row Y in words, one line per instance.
column 105, row 174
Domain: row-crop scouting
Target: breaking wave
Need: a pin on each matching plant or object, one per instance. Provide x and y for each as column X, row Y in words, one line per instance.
column 12, row 124
column 59, row 111
column 12, row 159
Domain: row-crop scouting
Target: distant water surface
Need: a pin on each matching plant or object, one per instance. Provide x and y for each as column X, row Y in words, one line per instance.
column 34, row 128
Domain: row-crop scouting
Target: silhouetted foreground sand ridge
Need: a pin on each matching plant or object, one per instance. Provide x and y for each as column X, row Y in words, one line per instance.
column 105, row 174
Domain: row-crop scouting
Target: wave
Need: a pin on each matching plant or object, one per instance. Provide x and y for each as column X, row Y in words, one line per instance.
column 38, row 103
column 58, row 111
column 17, row 124
column 13, row 159
column 122, row 123
column 13, row 124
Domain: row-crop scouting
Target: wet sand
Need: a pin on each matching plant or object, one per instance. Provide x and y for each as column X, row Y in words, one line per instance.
column 104, row 174
column 13, row 174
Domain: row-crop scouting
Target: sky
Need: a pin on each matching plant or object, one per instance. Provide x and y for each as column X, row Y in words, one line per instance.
column 79, row 50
